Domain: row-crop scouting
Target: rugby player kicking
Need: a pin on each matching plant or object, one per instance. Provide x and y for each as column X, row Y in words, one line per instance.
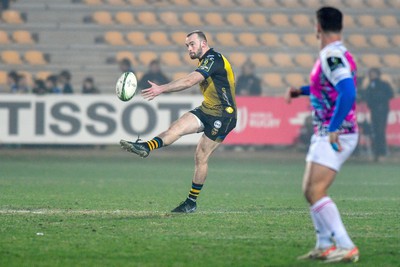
column 216, row 116
column 332, row 93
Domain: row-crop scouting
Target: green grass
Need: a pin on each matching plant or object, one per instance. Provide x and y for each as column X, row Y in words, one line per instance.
column 108, row 208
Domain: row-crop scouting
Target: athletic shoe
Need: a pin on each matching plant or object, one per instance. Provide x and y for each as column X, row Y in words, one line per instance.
column 343, row 255
column 317, row 254
column 186, row 206
column 137, row 148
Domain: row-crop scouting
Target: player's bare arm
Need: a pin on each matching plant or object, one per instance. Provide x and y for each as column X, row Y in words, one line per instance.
column 290, row 93
column 174, row 86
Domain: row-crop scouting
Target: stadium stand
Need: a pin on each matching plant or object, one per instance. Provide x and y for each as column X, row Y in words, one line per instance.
column 89, row 36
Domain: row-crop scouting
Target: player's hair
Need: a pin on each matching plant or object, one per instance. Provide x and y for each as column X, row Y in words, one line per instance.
column 199, row 33
column 330, row 19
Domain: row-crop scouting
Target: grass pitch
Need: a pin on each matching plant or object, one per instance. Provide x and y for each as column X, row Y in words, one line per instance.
column 109, row 208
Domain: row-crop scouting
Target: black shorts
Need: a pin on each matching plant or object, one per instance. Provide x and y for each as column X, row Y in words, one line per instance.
column 215, row 128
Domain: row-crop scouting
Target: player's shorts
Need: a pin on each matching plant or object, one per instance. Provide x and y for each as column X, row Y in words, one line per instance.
column 215, row 128
column 321, row 151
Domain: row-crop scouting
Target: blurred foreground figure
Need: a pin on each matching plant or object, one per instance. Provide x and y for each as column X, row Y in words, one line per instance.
column 332, row 93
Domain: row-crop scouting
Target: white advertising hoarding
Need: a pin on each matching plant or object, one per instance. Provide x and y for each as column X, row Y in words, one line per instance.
column 88, row 119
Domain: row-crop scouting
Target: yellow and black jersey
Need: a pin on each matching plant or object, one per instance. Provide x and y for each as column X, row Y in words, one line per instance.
column 218, row 86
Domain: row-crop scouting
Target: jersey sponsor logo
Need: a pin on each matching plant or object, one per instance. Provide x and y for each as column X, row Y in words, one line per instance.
column 229, row 110
column 335, row 63
column 207, row 64
column 217, row 124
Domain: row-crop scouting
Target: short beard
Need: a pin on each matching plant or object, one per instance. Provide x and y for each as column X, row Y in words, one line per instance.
column 197, row 54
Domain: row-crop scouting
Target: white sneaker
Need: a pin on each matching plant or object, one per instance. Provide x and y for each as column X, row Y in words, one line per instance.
column 343, row 255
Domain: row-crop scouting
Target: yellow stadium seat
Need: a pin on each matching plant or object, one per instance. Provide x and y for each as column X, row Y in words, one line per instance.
column 12, row 17
column 248, row 39
column 280, row 20
column 282, row 60
column 3, row 77
column 192, row 19
column 170, row 18
column 34, row 57
column 295, row 79
column 258, row 19
column 260, row 60
column 292, row 39
column 4, row 38
column 145, row 57
column 367, row 21
column 171, row 59
column 179, row 38
column 237, row 59
column 214, row 19
column 310, row 39
column 147, row 18
column 102, row 18
column 11, row 57
column 226, row 39
column 348, row 22
column 159, row 38
column 23, row 37
column 192, row 63
column 236, row 19
column 301, row 20
column 358, row 40
column 124, row 18
column 114, row 38
column 391, row 60
column 137, row 38
column 273, row 80
column 93, row 2
column 270, row 39
column 371, row 60
column 128, row 55
column 304, row 60
column 42, row 75
column 394, row 3
column 389, row 21
column 379, row 40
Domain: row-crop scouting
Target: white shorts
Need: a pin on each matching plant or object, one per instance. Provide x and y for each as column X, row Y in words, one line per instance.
column 321, row 151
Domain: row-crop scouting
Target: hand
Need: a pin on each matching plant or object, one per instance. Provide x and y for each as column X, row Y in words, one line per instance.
column 291, row 92
column 334, row 140
column 152, row 92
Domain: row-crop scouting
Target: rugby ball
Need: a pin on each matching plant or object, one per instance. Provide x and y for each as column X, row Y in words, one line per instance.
column 126, row 86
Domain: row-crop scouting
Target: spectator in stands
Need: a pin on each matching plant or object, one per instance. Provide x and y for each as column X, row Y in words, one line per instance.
column 65, row 82
column 154, row 74
column 52, row 85
column 247, row 83
column 377, row 95
column 16, row 83
column 39, row 87
column 88, row 86
column 125, row 65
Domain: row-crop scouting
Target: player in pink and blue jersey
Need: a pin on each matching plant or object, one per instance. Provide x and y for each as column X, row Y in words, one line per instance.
column 332, row 93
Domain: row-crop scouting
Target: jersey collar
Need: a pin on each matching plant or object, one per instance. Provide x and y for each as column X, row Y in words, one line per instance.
column 206, row 54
